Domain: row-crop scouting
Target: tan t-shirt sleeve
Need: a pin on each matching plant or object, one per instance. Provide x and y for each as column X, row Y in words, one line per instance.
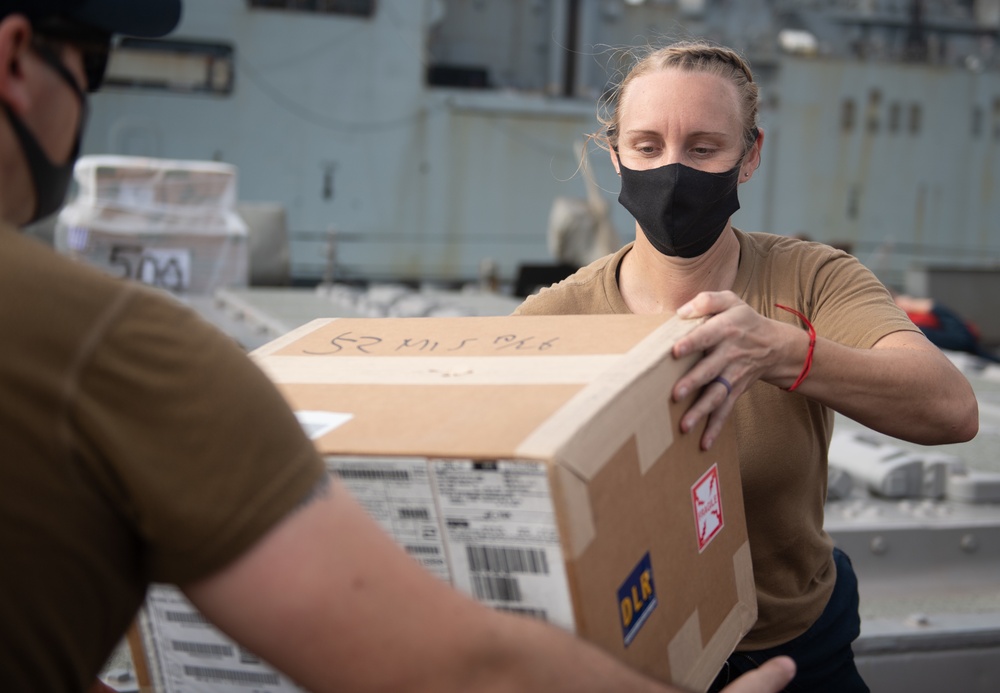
column 843, row 299
column 189, row 437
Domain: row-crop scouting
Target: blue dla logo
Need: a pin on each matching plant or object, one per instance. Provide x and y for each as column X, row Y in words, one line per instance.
column 636, row 599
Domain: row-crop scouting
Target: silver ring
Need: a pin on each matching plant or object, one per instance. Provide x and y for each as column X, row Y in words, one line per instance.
column 725, row 383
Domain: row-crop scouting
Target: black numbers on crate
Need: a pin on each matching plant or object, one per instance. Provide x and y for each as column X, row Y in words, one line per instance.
column 159, row 271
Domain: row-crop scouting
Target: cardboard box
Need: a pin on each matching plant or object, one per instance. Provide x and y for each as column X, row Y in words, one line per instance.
column 536, row 463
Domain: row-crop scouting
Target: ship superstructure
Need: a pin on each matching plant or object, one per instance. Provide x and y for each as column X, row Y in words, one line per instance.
column 429, row 137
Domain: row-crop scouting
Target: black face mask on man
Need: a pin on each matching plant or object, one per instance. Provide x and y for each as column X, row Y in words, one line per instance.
column 51, row 181
column 681, row 210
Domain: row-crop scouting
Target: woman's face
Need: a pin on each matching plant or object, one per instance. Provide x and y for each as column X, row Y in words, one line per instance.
column 675, row 116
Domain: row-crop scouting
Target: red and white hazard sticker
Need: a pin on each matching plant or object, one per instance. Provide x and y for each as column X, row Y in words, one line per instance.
column 707, row 498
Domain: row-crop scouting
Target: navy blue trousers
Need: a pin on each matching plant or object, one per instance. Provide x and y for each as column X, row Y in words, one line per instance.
column 823, row 654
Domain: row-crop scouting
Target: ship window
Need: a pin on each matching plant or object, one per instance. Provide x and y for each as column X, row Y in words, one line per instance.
column 356, row 8
column 915, row 116
column 187, row 66
column 847, row 115
column 895, row 117
column 871, row 118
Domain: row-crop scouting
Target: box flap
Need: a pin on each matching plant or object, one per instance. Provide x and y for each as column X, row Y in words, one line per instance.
column 478, row 387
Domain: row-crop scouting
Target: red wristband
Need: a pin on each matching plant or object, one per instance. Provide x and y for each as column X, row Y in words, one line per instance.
column 812, row 346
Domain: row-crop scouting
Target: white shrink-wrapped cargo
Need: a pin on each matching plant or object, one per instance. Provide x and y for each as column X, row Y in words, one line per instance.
column 168, row 223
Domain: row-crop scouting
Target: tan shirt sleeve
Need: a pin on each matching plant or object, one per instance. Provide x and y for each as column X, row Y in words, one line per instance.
column 189, row 437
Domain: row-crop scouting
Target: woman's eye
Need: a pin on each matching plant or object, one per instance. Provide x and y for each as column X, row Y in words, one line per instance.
column 646, row 148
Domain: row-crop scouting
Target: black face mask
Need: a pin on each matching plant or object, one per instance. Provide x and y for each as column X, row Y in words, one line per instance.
column 51, row 180
column 682, row 210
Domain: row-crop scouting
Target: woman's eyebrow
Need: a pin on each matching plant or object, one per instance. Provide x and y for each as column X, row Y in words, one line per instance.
column 655, row 133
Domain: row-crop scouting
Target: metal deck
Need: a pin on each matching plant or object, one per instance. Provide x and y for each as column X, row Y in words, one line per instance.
column 929, row 570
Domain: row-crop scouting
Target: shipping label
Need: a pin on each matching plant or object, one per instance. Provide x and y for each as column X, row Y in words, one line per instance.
column 500, row 530
column 188, row 655
column 397, row 493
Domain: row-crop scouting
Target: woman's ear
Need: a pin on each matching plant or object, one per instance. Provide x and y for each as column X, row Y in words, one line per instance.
column 614, row 161
column 752, row 161
column 15, row 42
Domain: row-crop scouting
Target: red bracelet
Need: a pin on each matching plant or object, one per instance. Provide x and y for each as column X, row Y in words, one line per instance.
column 812, row 346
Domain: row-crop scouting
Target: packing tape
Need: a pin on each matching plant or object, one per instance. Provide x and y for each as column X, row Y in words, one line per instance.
column 433, row 370
column 693, row 666
column 613, row 415
column 603, row 373
column 576, row 515
column 290, row 338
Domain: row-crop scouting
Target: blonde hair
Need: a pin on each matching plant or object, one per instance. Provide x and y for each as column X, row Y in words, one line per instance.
column 691, row 56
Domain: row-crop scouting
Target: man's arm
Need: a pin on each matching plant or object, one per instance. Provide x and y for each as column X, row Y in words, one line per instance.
column 328, row 598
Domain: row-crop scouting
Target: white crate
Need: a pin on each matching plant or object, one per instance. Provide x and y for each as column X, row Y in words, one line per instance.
column 168, row 223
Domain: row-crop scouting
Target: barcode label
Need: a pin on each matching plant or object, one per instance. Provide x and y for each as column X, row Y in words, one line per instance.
column 191, row 655
column 248, row 657
column 501, row 536
column 397, row 493
column 506, row 559
column 422, row 550
column 496, row 588
column 202, row 648
column 369, row 474
column 540, row 614
column 192, row 617
column 232, row 676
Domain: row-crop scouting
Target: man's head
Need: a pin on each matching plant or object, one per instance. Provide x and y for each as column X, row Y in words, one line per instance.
column 71, row 39
column 149, row 18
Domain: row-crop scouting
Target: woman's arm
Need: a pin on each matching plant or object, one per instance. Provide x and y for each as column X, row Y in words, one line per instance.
column 903, row 386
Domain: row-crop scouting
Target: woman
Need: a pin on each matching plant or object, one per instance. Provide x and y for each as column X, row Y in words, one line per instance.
column 796, row 331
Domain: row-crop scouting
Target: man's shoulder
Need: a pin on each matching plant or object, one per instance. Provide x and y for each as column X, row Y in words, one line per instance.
column 39, row 267
column 70, row 299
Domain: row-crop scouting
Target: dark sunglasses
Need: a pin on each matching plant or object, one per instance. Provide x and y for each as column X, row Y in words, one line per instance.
column 94, row 45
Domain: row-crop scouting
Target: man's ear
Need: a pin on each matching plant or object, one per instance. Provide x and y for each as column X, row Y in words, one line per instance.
column 15, row 42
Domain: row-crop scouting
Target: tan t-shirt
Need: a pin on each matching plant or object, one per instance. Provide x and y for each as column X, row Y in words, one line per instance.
column 138, row 444
column 782, row 437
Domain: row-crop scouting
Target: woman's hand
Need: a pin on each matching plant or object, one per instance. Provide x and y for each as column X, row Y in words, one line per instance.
column 741, row 346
